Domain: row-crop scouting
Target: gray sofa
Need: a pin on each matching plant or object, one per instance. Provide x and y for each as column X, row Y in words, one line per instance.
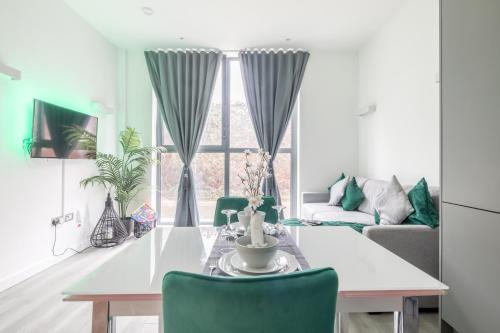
column 417, row 244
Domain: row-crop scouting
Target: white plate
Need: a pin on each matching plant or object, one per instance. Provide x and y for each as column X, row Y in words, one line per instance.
column 226, row 267
column 275, row 265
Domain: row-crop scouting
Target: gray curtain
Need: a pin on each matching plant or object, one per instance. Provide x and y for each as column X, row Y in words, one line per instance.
column 272, row 82
column 183, row 82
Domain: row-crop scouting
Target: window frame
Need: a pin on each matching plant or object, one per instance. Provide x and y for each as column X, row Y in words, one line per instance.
column 224, row 147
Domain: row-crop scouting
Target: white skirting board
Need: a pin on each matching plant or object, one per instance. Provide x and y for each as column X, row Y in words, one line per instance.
column 27, row 272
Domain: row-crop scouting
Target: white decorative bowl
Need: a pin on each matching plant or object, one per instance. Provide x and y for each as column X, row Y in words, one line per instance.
column 257, row 257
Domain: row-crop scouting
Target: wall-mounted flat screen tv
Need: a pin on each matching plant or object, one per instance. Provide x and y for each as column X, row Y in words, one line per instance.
column 62, row 133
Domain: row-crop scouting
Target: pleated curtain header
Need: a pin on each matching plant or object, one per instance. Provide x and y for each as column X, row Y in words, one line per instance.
column 272, row 51
column 262, row 51
column 185, row 51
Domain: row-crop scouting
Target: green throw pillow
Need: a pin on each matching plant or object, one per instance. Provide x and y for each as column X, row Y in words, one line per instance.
column 425, row 212
column 353, row 196
column 342, row 176
column 376, row 216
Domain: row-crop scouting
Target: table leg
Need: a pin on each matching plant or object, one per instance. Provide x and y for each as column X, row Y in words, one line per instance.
column 111, row 324
column 160, row 323
column 406, row 321
column 100, row 316
column 342, row 322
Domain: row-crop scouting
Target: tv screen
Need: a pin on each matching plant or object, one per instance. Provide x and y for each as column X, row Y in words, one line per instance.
column 62, row 133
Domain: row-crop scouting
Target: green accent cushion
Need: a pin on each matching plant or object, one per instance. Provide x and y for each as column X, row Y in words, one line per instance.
column 238, row 204
column 294, row 303
column 425, row 212
column 376, row 216
column 353, row 196
column 295, row 222
column 342, row 176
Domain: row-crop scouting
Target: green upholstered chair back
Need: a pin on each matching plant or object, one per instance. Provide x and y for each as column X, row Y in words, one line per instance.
column 293, row 303
column 239, row 203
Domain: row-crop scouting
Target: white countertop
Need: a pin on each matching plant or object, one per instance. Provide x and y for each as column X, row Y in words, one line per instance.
column 365, row 269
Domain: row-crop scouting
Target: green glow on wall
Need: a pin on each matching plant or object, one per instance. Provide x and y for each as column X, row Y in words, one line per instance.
column 16, row 111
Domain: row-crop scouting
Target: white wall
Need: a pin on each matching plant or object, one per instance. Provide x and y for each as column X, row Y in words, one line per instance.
column 138, row 110
column 328, row 135
column 397, row 72
column 139, row 95
column 63, row 61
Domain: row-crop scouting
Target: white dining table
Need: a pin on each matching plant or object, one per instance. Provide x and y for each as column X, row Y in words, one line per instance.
column 371, row 278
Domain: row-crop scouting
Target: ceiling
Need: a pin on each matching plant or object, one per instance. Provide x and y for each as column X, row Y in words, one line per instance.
column 235, row 24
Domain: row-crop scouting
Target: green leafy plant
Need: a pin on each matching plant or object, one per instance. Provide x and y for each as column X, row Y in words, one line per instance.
column 124, row 176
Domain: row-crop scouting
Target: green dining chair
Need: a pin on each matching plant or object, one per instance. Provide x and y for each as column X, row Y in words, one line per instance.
column 298, row 302
column 238, row 204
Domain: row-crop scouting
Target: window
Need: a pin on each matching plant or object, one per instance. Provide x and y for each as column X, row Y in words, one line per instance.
column 228, row 132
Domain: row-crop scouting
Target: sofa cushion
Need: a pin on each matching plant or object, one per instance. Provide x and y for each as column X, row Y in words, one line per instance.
column 371, row 189
column 353, row 196
column 342, row 176
column 393, row 204
column 434, row 192
column 376, row 217
column 323, row 212
column 425, row 212
column 361, row 181
column 337, row 190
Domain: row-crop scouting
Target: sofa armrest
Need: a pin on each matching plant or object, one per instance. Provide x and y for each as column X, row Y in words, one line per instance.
column 417, row 244
column 308, row 197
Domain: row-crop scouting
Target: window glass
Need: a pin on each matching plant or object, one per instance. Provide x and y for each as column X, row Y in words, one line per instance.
column 208, row 171
column 219, row 156
column 241, row 128
column 171, row 167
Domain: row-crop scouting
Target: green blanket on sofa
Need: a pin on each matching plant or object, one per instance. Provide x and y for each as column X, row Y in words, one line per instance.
column 294, row 222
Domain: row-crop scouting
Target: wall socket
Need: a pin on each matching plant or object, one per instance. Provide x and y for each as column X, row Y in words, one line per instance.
column 56, row 220
column 62, row 219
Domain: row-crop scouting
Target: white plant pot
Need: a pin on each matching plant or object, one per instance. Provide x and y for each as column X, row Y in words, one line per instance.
column 257, row 228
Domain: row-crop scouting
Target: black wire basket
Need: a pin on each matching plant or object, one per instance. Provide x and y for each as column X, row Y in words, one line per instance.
column 109, row 231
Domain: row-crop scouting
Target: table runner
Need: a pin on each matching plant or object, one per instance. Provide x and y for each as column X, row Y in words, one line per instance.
column 286, row 244
column 295, row 222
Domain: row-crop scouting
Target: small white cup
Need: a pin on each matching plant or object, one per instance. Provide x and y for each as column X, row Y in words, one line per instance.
column 244, row 219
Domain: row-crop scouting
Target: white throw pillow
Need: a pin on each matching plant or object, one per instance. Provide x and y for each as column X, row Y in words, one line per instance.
column 392, row 204
column 361, row 181
column 371, row 189
column 337, row 191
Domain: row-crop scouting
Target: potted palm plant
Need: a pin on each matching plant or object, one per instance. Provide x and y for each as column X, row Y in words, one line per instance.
column 124, row 176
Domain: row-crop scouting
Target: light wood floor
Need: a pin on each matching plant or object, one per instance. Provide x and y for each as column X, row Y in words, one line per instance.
column 35, row 305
